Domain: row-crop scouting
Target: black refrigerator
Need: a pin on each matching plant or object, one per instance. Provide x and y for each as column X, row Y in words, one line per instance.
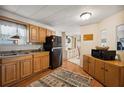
column 53, row 44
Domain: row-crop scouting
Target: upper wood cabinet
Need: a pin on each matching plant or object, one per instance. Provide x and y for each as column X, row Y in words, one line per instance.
column 53, row 33
column 33, row 34
column 49, row 33
column 42, row 34
column 37, row 34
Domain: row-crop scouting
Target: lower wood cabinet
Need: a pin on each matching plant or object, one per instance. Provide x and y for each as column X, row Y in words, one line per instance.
column 91, row 66
column 109, row 73
column 112, row 75
column 88, row 65
column 14, row 69
column 45, row 62
column 10, row 72
column 37, row 64
column 99, row 71
column 41, row 61
column 26, row 67
column 85, row 63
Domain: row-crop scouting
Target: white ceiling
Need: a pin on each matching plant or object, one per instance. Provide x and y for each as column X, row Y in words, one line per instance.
column 63, row 17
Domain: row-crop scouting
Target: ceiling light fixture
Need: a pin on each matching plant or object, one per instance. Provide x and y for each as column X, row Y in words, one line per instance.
column 85, row 15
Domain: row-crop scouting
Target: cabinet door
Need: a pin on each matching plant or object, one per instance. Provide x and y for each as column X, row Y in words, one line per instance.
column 10, row 72
column 45, row 62
column 99, row 70
column 49, row 33
column 53, row 33
column 42, row 35
column 34, row 35
column 85, row 63
column 111, row 75
column 91, row 66
column 37, row 64
column 26, row 67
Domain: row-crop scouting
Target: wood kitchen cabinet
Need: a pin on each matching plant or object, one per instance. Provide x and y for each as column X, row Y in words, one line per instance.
column 37, row 64
column 49, row 32
column 109, row 72
column 45, row 61
column 42, row 34
column 26, row 67
column 99, row 70
column 53, row 33
column 16, row 68
column 91, row 66
column 88, row 65
column 33, row 34
column 111, row 75
column 9, row 72
column 85, row 63
column 41, row 61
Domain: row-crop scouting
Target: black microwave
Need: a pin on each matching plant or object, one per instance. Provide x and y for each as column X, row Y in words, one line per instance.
column 104, row 54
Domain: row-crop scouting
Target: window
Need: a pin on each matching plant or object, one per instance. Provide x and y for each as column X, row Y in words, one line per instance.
column 9, row 29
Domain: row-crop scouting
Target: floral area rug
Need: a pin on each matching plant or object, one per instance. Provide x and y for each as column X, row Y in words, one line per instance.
column 62, row 78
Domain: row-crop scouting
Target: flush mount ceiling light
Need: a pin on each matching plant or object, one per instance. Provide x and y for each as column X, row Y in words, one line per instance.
column 85, row 15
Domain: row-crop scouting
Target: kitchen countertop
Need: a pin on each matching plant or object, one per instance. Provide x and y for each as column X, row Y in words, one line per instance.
column 113, row 62
column 21, row 54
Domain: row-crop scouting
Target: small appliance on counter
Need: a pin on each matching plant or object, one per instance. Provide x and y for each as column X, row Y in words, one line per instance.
column 104, row 54
column 54, row 45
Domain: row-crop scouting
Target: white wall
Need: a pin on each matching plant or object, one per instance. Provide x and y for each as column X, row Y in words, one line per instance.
column 109, row 24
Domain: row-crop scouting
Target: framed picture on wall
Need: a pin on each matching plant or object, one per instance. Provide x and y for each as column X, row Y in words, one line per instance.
column 88, row 37
column 120, row 37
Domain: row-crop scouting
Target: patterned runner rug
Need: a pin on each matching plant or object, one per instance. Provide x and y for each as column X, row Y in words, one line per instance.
column 62, row 78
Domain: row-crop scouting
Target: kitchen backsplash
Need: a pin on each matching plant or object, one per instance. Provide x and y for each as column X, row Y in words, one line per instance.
column 19, row 47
